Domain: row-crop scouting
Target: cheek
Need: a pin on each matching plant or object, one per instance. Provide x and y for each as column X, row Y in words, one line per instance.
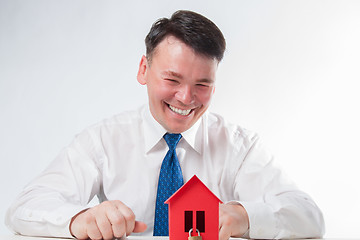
column 161, row 92
column 204, row 97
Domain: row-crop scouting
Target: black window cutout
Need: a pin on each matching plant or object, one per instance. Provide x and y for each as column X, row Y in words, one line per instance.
column 188, row 220
column 200, row 220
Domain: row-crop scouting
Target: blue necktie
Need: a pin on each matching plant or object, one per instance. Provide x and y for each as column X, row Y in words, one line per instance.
column 170, row 180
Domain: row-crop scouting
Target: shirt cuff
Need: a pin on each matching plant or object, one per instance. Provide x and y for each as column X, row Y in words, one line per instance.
column 61, row 219
column 54, row 223
column 262, row 221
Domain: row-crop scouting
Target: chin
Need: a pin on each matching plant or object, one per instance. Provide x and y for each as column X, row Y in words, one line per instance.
column 176, row 131
column 179, row 129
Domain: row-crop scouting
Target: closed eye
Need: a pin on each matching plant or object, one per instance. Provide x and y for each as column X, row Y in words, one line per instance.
column 171, row 80
column 202, row 85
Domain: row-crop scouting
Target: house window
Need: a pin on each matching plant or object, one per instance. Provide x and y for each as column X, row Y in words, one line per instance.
column 188, row 220
column 200, row 220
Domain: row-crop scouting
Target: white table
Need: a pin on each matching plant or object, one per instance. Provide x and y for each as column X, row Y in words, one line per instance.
column 18, row 237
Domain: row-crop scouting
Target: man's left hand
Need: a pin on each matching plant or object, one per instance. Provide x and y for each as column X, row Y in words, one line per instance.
column 233, row 221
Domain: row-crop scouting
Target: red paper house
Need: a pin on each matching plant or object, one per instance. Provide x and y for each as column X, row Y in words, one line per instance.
column 193, row 206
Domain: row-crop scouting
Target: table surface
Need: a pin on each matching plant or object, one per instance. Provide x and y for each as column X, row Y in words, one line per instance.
column 18, row 237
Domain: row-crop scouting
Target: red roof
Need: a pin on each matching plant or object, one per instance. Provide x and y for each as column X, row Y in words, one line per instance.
column 188, row 184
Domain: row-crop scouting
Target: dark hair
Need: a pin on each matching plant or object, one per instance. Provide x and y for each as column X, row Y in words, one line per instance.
column 193, row 29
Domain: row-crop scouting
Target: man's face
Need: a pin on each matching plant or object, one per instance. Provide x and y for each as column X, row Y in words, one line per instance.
column 180, row 84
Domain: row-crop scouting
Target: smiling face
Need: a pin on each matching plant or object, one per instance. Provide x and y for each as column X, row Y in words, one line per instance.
column 180, row 84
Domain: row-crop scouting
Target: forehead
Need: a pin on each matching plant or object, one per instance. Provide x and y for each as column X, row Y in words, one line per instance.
column 172, row 43
column 173, row 57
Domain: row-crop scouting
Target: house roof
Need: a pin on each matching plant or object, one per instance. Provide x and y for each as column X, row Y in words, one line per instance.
column 188, row 184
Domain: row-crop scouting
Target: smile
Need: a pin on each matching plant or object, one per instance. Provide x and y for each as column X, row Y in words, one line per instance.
column 180, row 111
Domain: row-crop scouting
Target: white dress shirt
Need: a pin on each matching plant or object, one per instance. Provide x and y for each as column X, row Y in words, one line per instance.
column 120, row 159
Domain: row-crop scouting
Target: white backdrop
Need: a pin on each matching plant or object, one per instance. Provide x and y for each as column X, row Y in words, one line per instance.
column 290, row 73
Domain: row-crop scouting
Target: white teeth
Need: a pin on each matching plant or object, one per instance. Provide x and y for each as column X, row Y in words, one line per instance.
column 180, row 111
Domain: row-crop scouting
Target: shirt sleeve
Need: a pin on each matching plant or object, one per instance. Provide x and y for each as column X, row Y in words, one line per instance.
column 277, row 209
column 47, row 204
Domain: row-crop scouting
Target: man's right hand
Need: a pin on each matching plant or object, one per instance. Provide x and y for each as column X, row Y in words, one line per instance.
column 110, row 219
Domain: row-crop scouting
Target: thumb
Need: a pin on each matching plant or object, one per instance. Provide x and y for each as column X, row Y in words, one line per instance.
column 139, row 227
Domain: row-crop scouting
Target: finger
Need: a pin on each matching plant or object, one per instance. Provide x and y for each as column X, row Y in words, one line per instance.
column 222, row 211
column 92, row 229
column 104, row 226
column 224, row 232
column 129, row 217
column 234, row 219
column 117, row 222
column 224, row 227
column 78, row 226
column 139, row 227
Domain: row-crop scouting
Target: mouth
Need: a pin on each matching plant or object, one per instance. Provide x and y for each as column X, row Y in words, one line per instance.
column 180, row 111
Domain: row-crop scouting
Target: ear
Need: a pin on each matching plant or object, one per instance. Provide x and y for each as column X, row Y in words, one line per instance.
column 213, row 91
column 141, row 76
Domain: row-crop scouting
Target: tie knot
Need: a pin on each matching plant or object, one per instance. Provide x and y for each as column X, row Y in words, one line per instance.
column 172, row 139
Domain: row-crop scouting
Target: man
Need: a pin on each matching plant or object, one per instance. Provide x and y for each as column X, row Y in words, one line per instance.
column 120, row 159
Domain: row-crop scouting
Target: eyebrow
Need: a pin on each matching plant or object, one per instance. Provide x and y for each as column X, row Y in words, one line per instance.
column 170, row 73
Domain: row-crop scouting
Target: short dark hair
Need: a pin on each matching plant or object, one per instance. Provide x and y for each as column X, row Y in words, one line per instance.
column 193, row 29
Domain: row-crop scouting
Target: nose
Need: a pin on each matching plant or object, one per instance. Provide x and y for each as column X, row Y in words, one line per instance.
column 185, row 95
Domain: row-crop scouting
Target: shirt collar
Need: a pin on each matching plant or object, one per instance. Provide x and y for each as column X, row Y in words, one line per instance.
column 154, row 132
column 193, row 136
